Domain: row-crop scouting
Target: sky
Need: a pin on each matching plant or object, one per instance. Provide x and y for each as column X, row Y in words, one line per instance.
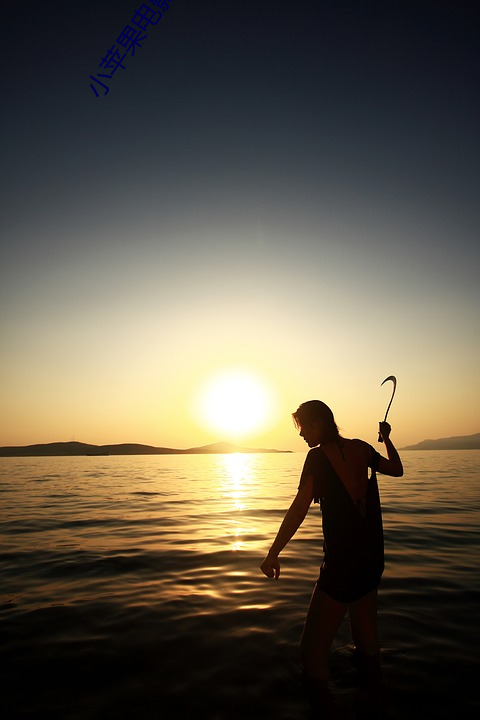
column 287, row 190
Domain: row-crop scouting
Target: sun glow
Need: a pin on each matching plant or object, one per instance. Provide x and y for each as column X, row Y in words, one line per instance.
column 235, row 403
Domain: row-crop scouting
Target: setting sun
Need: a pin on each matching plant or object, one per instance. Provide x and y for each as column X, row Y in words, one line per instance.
column 235, row 403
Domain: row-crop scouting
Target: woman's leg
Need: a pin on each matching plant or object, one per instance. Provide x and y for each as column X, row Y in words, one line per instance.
column 363, row 623
column 323, row 620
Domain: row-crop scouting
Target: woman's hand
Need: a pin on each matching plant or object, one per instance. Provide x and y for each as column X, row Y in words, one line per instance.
column 384, row 430
column 271, row 567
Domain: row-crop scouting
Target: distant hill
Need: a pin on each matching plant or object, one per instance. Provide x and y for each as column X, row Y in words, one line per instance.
column 64, row 449
column 461, row 442
column 224, row 447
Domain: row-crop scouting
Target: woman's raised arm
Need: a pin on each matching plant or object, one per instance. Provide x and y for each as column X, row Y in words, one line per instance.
column 393, row 466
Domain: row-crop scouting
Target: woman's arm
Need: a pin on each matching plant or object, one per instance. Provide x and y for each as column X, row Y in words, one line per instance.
column 393, row 466
column 291, row 522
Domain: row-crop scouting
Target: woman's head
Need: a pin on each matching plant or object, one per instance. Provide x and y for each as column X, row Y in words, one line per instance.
column 314, row 414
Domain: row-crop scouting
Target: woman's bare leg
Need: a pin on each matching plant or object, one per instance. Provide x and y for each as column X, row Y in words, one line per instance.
column 323, row 620
column 363, row 623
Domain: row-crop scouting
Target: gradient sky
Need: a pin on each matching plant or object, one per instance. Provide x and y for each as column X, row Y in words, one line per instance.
column 286, row 187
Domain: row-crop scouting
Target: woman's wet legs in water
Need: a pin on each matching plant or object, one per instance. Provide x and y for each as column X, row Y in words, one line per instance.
column 323, row 620
column 322, row 623
column 366, row 658
column 363, row 624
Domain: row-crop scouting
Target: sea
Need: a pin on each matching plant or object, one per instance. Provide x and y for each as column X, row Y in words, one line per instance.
column 131, row 588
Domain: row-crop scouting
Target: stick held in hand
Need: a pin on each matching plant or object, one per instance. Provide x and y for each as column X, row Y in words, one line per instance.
column 394, row 380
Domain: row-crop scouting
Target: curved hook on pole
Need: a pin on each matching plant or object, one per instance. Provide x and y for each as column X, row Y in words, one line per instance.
column 394, row 380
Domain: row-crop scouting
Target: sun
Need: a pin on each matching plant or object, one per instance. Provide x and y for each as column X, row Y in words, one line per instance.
column 235, row 402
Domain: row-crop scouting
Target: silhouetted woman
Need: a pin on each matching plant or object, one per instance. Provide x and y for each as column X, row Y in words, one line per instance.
column 336, row 474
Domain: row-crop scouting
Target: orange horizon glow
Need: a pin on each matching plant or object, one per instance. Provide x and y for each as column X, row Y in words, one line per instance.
column 240, row 403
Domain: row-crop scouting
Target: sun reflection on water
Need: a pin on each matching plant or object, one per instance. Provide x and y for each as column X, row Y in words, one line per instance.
column 237, row 477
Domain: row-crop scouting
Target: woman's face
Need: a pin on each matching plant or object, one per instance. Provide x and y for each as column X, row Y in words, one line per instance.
column 311, row 432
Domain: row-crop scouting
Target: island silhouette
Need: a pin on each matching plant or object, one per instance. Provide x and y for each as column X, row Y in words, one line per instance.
column 73, row 448
column 459, row 442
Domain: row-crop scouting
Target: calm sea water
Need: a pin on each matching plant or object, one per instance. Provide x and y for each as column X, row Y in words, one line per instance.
column 131, row 589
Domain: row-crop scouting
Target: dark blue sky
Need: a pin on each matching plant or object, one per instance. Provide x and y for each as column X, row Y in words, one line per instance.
column 269, row 169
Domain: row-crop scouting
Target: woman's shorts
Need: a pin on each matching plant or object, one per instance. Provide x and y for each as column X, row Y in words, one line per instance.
column 348, row 587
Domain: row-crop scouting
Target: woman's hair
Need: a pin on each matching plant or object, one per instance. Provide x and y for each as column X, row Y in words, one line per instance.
column 313, row 410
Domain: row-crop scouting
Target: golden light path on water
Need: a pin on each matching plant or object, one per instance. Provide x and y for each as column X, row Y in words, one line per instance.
column 232, row 532
column 238, row 470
